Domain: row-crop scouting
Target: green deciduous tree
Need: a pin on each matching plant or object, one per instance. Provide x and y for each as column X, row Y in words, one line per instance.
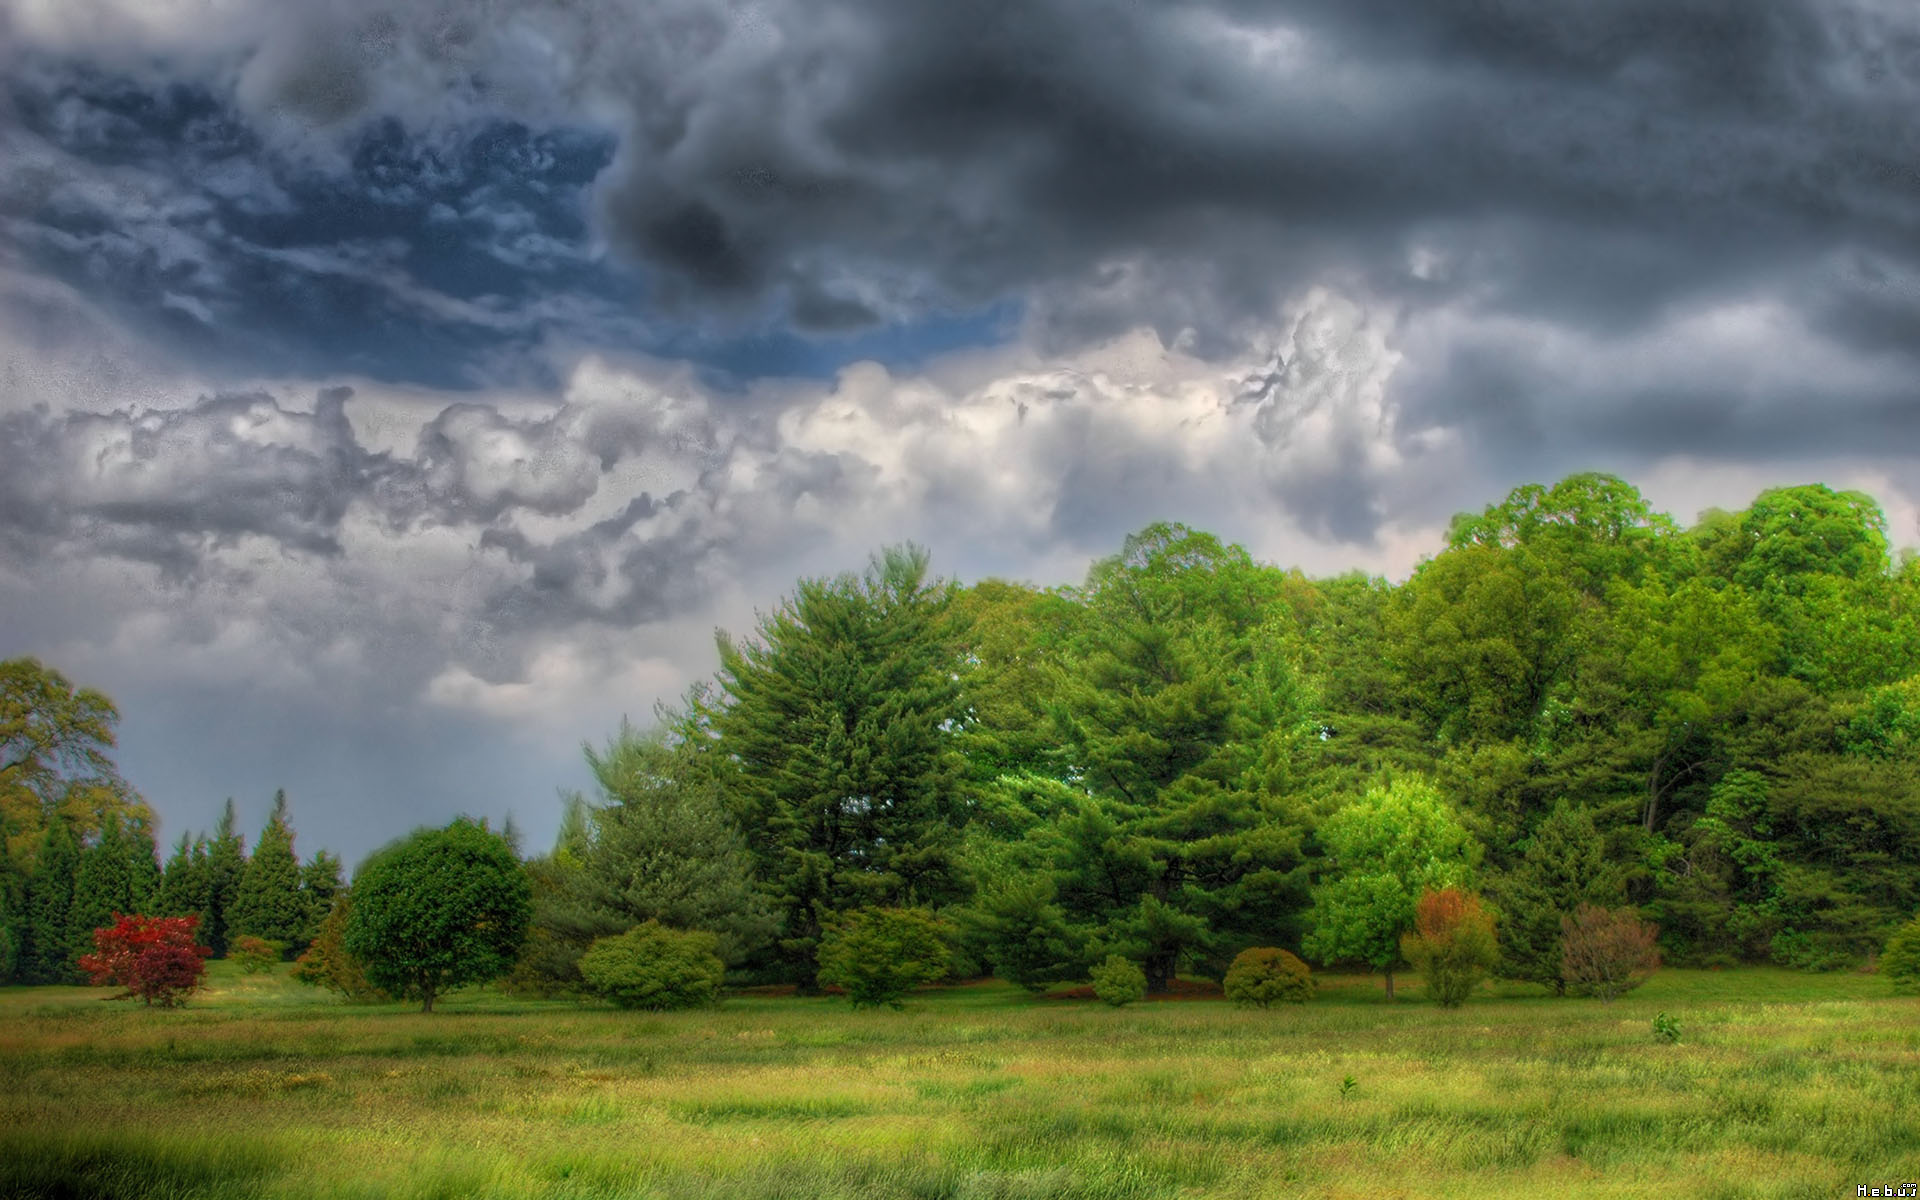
column 437, row 910
column 1382, row 851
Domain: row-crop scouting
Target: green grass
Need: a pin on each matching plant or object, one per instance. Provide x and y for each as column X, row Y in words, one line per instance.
column 1782, row 1085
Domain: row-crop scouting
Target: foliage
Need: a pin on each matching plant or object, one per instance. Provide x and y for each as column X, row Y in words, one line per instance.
column 1666, row 1029
column 1606, row 952
column 880, row 954
column 1262, row 975
column 226, row 865
column 658, row 844
column 267, row 902
column 653, row 967
column 1382, row 851
column 327, row 963
column 1900, row 962
column 254, row 954
column 47, row 950
column 1452, row 944
column 834, row 730
column 1179, row 709
column 437, row 910
column 1119, row 981
column 154, row 958
column 1564, row 864
column 1028, row 939
column 116, row 874
column 51, row 731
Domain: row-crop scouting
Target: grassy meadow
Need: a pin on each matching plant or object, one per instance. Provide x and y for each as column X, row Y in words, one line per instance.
column 1782, row 1085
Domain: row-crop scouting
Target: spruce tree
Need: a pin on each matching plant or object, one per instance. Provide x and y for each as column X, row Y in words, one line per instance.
column 13, row 914
column 186, row 887
column 226, row 862
column 46, row 953
column 268, row 903
column 109, row 880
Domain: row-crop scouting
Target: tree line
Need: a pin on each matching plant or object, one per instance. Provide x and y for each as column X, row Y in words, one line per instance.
column 1576, row 707
column 79, row 845
column 1576, row 704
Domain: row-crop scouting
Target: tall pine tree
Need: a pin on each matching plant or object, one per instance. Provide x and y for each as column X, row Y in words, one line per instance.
column 47, row 956
column 268, row 903
column 838, row 722
column 186, row 886
column 114, row 876
column 226, row 863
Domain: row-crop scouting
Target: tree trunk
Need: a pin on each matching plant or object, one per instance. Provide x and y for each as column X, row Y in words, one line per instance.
column 1389, row 985
column 1159, row 972
column 426, row 999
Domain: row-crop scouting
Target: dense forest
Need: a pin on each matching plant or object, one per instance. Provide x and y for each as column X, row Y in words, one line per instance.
column 1576, row 701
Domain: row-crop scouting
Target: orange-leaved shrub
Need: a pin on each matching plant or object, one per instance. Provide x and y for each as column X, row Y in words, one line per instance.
column 154, row 958
column 1606, row 951
column 1262, row 975
column 1452, row 944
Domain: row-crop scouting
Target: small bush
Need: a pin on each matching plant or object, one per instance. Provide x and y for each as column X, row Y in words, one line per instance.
column 1452, row 944
column 1666, row 1029
column 326, row 962
column 1900, row 963
column 651, row 966
column 1605, row 952
column 1262, row 975
column 1119, row 981
column 154, row 958
column 880, row 954
column 254, row 954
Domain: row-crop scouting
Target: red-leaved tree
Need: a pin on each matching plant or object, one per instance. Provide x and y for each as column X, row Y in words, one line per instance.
column 154, row 958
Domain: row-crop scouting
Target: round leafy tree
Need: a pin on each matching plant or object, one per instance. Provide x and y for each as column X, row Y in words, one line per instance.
column 1262, row 975
column 1119, row 981
column 439, row 909
column 1901, row 961
column 880, row 954
column 652, row 966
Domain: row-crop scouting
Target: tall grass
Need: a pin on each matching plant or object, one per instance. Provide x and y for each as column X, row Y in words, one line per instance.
column 1782, row 1085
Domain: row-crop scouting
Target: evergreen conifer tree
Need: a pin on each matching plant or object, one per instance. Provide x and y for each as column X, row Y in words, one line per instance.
column 268, row 903
column 320, row 881
column 840, row 719
column 186, row 887
column 226, row 862
column 110, row 879
column 47, row 957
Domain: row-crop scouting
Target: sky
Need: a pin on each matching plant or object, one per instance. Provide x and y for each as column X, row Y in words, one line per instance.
column 394, row 395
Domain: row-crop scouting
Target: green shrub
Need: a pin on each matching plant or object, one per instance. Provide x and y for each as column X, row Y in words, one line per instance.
column 254, row 954
column 1901, row 960
column 1119, row 981
column 651, row 966
column 880, row 954
column 1666, row 1029
column 1262, row 975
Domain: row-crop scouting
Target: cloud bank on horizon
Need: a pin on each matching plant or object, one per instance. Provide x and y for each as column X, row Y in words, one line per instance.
column 394, row 394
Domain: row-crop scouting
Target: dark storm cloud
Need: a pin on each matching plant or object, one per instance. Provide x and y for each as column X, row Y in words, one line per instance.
column 964, row 150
